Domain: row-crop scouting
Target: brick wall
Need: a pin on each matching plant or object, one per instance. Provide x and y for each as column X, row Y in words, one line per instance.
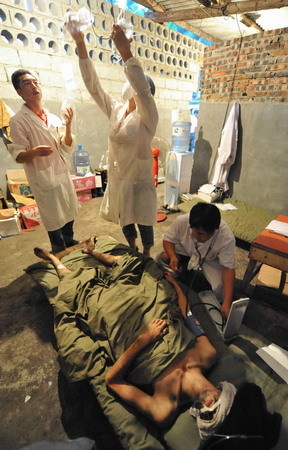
column 254, row 68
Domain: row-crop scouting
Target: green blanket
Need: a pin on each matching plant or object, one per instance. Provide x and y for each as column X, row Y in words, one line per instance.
column 246, row 222
column 98, row 313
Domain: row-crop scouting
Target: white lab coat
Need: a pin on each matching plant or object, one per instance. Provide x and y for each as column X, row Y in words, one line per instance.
column 48, row 176
column 227, row 149
column 214, row 254
column 130, row 195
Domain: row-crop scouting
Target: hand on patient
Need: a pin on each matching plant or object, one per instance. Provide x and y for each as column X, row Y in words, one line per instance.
column 90, row 245
column 174, row 263
column 156, row 329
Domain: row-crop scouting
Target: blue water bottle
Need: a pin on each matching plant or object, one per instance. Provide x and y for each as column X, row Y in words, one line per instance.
column 181, row 131
column 81, row 161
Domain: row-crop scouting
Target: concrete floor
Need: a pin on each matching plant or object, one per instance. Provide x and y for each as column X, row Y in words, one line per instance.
column 36, row 402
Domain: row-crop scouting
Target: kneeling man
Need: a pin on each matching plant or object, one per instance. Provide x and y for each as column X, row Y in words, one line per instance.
column 200, row 240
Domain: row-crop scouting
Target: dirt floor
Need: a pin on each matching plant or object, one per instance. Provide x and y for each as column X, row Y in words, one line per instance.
column 36, row 401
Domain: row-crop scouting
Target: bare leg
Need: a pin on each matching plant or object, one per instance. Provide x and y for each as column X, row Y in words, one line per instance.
column 104, row 257
column 47, row 256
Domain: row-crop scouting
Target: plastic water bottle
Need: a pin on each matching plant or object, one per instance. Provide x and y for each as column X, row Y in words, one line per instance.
column 81, row 161
column 181, row 125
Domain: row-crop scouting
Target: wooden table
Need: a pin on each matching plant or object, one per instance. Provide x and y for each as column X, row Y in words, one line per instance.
column 267, row 248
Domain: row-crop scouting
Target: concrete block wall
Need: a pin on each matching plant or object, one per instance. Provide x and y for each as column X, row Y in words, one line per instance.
column 254, row 73
column 32, row 37
column 252, row 69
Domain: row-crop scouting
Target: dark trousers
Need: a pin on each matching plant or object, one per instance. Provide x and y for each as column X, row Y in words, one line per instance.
column 146, row 233
column 62, row 238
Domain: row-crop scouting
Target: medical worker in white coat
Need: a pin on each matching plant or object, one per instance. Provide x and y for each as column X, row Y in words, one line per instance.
column 40, row 142
column 130, row 196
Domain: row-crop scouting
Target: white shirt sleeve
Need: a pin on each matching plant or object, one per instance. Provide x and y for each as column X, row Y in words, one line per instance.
column 145, row 102
column 92, row 83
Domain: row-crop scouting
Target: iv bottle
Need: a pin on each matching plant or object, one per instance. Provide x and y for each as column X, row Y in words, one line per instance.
column 67, row 102
column 81, row 162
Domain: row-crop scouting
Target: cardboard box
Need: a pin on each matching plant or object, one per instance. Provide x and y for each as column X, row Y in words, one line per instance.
column 84, row 183
column 10, row 227
column 84, row 196
column 17, row 182
column 30, row 215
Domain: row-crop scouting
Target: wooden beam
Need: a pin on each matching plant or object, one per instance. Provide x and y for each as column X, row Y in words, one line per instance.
column 151, row 4
column 215, row 11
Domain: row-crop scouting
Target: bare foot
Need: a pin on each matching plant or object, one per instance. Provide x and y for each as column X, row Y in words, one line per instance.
column 41, row 253
column 90, row 244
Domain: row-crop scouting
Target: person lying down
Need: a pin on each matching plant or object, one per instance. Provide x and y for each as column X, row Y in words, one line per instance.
column 178, row 349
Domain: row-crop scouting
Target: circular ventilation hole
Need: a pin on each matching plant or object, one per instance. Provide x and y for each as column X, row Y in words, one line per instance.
column 68, row 49
column 52, row 28
column 110, row 42
column 185, row 76
column 172, row 48
column 174, row 73
column 143, row 24
column 92, row 4
column 22, row 40
column 143, row 38
column 140, row 51
column 172, row 36
column 165, row 32
column 183, row 52
column 53, row 46
column 174, row 62
column 133, row 20
column 158, row 43
column 6, row 36
column 90, row 38
column 189, row 55
column 40, row 5
column 161, row 57
column 180, row 63
column 19, row 20
column 178, row 50
column 154, row 69
column 178, row 38
column 147, row 53
column 53, row 9
column 184, row 41
column 185, row 64
column 39, row 44
column 103, row 7
column 34, row 24
column 180, row 75
column 169, row 60
column 159, row 30
column 155, row 56
column 150, row 27
column 2, row 16
column 102, row 57
column 166, row 47
column 104, row 25
column 92, row 54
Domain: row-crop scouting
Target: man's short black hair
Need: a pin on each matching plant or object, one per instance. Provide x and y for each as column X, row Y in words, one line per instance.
column 17, row 74
column 205, row 216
